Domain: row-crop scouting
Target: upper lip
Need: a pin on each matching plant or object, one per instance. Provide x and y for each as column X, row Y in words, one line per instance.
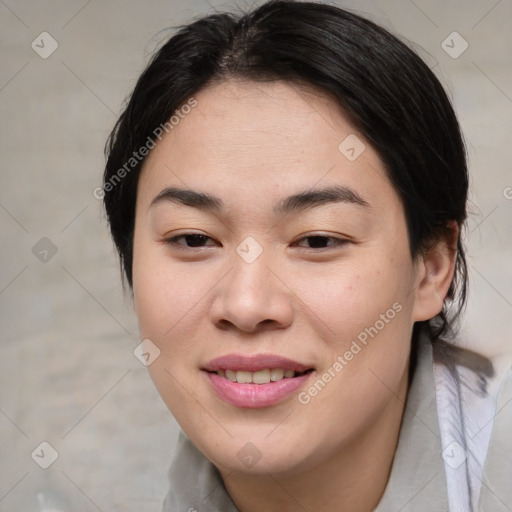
column 253, row 363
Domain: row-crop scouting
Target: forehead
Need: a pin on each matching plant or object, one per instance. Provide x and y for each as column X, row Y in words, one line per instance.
column 257, row 142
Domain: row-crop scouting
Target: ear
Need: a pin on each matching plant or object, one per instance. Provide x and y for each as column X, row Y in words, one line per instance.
column 434, row 271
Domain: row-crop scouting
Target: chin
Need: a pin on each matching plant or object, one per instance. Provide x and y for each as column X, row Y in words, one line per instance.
column 253, row 452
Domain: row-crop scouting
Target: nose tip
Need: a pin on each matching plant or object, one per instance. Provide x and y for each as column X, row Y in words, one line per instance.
column 251, row 299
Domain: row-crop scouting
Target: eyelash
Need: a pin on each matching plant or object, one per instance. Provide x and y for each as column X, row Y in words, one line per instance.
column 173, row 241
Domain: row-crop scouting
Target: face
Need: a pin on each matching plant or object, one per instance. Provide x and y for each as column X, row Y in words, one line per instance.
column 272, row 271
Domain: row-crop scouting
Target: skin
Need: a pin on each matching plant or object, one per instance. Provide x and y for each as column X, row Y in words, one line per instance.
column 251, row 145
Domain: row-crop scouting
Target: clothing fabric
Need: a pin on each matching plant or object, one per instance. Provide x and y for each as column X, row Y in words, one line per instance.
column 496, row 493
column 440, row 460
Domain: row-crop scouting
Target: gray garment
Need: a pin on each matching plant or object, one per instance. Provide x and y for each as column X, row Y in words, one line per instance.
column 420, row 480
column 196, row 484
column 417, row 481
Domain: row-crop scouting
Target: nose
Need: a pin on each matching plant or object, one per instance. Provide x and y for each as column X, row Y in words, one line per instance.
column 252, row 297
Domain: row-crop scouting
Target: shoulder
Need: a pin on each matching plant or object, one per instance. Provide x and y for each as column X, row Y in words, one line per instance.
column 467, row 386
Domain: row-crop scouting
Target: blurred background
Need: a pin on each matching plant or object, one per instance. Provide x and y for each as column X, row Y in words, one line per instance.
column 68, row 375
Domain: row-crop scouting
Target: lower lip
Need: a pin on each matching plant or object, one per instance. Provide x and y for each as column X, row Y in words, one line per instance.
column 254, row 396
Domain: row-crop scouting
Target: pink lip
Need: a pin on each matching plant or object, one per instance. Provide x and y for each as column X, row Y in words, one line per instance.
column 254, row 396
column 254, row 363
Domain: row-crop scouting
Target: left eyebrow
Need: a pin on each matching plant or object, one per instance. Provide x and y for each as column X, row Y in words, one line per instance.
column 300, row 201
column 317, row 197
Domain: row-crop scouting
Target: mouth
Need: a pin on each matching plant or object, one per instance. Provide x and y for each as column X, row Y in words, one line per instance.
column 260, row 377
column 255, row 381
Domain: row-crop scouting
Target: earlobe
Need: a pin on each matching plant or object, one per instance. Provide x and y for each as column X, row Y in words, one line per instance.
column 435, row 268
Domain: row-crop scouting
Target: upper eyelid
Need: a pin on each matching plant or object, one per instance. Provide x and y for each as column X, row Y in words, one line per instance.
column 186, row 233
column 323, row 235
column 338, row 237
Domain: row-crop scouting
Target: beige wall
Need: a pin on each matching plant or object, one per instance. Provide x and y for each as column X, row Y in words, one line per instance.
column 68, row 375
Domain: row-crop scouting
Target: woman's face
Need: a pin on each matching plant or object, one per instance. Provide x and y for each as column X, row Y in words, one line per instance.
column 295, row 280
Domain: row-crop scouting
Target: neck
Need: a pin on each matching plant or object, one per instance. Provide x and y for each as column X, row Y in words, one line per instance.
column 353, row 478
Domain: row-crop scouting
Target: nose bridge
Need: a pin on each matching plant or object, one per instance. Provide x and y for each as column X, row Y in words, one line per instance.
column 251, row 276
column 250, row 294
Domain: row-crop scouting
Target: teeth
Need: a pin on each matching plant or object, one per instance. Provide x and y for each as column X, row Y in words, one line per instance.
column 259, row 377
column 231, row 375
column 276, row 374
column 244, row 377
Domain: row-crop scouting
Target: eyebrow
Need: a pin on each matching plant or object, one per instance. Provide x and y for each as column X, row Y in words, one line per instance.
column 296, row 202
column 317, row 197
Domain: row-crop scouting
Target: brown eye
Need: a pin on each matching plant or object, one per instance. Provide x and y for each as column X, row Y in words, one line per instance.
column 192, row 240
column 322, row 241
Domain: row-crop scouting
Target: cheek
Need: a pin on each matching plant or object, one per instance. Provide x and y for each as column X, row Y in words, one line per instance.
column 352, row 296
column 365, row 358
column 168, row 307
column 369, row 311
column 363, row 312
column 167, row 295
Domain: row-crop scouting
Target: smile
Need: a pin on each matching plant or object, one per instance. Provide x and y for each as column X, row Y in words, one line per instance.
column 259, row 377
column 255, row 381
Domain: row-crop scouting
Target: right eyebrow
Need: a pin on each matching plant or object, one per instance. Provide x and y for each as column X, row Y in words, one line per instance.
column 188, row 197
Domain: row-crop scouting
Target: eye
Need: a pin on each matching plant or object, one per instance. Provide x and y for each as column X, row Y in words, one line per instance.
column 192, row 240
column 321, row 241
